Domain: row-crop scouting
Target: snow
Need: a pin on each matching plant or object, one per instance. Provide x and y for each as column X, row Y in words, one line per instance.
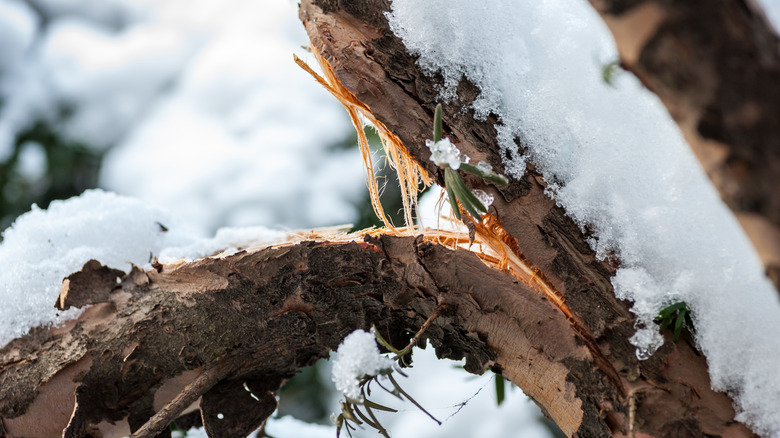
column 484, row 167
column 444, row 153
column 32, row 161
column 357, row 357
column 44, row 246
column 18, row 25
column 289, row 427
column 226, row 241
column 202, row 110
column 85, row 61
column 464, row 403
column 484, row 197
column 772, row 10
column 241, row 113
column 17, row 28
column 281, row 427
column 616, row 162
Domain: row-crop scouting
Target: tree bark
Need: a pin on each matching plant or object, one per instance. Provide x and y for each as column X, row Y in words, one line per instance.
column 254, row 318
column 716, row 67
column 264, row 314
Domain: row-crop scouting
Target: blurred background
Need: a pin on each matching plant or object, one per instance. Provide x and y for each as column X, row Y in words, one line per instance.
column 196, row 106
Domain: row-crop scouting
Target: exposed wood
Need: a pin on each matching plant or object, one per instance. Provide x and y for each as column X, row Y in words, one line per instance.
column 716, row 67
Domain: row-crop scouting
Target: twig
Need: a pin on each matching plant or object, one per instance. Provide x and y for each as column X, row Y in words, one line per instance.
column 205, row 381
column 422, row 330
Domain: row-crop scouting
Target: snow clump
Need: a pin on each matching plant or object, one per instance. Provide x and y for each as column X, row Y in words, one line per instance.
column 444, row 153
column 358, row 357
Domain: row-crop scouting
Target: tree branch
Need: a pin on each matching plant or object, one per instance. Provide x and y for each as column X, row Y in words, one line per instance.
column 278, row 309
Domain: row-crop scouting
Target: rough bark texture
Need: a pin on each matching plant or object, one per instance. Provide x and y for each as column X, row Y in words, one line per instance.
column 716, row 67
column 266, row 314
column 258, row 316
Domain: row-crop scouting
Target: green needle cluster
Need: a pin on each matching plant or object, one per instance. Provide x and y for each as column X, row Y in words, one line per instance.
column 680, row 314
column 457, row 190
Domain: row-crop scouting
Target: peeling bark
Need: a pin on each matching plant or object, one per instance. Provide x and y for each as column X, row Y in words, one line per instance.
column 260, row 315
column 716, row 67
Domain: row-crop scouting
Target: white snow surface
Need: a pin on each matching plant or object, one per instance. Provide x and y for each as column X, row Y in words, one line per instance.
column 772, row 10
column 357, row 357
column 209, row 117
column 44, row 246
column 616, row 162
column 464, row 403
column 290, row 427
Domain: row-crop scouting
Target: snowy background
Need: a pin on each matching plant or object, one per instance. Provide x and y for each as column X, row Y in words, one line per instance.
column 200, row 120
column 200, row 103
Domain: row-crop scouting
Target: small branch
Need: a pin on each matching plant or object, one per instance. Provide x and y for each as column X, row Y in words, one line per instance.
column 422, row 330
column 205, row 381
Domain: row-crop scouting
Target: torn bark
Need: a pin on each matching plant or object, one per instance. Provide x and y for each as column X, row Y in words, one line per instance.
column 716, row 67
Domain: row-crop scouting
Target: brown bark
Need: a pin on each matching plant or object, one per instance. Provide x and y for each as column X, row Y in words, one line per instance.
column 258, row 316
column 716, row 67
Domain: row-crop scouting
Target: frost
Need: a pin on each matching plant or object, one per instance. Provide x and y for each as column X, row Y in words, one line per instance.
column 358, row 357
column 485, row 198
column 484, row 167
column 444, row 153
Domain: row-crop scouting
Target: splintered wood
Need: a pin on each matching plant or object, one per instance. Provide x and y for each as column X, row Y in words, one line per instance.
column 410, row 174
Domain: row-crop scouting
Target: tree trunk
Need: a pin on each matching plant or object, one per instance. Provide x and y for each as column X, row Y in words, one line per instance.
column 716, row 67
column 256, row 317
